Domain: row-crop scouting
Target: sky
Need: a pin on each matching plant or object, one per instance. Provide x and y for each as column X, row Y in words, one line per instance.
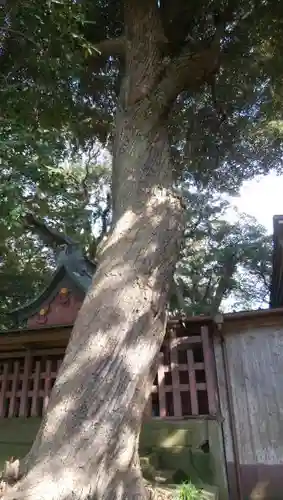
column 262, row 198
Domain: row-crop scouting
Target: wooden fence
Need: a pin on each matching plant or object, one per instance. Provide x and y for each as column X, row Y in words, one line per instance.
column 184, row 385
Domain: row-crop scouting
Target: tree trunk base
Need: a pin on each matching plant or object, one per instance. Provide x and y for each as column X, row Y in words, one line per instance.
column 48, row 481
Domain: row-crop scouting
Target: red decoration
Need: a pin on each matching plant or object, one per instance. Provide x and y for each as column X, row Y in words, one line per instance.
column 62, row 310
column 42, row 315
column 64, row 296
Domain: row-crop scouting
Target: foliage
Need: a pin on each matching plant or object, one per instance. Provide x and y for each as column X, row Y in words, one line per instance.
column 188, row 491
column 225, row 263
column 58, row 91
column 25, row 268
column 42, row 115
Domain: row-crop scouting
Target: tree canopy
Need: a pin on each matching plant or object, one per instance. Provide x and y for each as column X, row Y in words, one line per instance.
column 62, row 64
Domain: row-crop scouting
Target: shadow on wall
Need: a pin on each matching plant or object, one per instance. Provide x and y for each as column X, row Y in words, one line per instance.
column 16, row 437
column 260, row 481
column 173, row 451
column 176, row 448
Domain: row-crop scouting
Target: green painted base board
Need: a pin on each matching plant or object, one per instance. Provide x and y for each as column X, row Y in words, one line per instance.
column 168, row 450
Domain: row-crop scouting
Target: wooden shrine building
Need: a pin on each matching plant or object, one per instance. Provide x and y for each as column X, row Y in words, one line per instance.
column 183, row 403
column 218, row 383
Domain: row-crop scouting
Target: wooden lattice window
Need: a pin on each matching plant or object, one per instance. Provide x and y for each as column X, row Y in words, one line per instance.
column 184, row 384
column 26, row 383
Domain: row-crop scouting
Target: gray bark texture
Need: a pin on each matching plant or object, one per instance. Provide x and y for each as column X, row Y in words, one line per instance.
column 87, row 446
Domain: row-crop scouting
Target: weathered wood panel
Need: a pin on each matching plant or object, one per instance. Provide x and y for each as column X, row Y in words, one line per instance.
column 255, row 360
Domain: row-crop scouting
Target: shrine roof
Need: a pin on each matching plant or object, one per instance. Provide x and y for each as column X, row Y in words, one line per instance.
column 78, row 277
column 73, row 276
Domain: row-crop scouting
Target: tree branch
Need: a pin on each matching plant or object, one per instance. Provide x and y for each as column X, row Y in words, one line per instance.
column 144, row 37
column 177, row 17
column 187, row 71
column 49, row 236
column 7, row 29
column 105, row 214
column 91, row 159
column 111, row 47
column 221, row 113
column 207, row 288
column 176, row 288
column 229, row 269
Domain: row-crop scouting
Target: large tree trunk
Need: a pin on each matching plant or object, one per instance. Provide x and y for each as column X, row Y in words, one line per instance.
column 88, row 443
column 87, row 446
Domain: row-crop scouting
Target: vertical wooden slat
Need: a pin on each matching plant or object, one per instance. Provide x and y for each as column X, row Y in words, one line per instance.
column 209, row 372
column 192, row 383
column 24, row 391
column 161, row 387
column 175, row 377
column 148, row 408
column 59, row 363
column 47, row 384
column 35, row 391
column 15, row 376
column 3, row 388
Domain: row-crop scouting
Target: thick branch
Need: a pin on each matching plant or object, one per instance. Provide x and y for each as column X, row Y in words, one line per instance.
column 48, row 235
column 179, row 296
column 187, row 71
column 144, row 35
column 111, row 47
column 223, row 285
column 177, row 19
column 105, row 214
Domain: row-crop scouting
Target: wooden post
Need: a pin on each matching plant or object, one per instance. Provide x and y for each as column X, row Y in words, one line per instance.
column 24, row 391
column 175, row 376
column 35, row 391
column 161, row 387
column 209, row 371
column 47, row 384
column 192, row 383
column 15, row 378
column 4, row 378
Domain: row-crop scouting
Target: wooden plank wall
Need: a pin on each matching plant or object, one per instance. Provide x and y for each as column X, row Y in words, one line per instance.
column 255, row 360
